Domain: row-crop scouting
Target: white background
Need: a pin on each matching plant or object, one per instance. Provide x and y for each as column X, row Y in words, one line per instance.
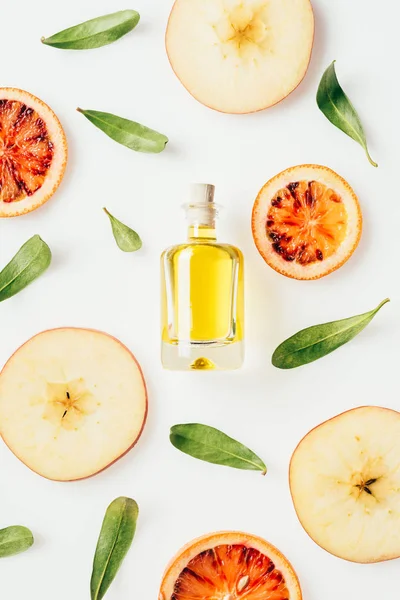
column 92, row 284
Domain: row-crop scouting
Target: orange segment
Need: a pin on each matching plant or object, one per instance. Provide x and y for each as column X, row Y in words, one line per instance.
column 306, row 222
column 228, row 566
column 243, row 572
column 33, row 152
column 26, row 151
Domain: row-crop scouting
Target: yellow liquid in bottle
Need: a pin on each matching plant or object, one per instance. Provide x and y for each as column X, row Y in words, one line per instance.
column 202, row 301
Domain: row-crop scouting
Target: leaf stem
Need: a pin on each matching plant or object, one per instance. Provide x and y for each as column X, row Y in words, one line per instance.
column 373, row 163
column 382, row 304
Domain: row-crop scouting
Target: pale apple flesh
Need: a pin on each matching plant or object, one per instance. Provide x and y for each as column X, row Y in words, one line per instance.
column 240, row 56
column 345, row 484
column 72, row 401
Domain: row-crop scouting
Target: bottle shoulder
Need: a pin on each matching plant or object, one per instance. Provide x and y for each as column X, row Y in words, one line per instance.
column 189, row 248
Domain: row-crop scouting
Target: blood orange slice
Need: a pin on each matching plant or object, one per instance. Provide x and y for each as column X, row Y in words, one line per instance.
column 306, row 222
column 33, row 152
column 228, row 566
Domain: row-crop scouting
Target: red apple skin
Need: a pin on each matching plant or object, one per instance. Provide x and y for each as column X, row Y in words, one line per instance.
column 383, row 559
column 144, row 385
column 244, row 112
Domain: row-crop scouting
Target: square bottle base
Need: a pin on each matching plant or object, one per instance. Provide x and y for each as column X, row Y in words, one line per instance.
column 202, row 357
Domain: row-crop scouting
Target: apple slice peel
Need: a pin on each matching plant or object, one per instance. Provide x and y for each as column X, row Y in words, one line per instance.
column 72, row 402
column 345, row 484
column 240, row 56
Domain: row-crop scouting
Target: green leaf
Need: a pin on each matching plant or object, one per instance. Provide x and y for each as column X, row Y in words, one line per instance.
column 337, row 107
column 14, row 540
column 213, row 446
column 31, row 260
column 96, row 32
column 128, row 133
column 315, row 342
column 116, row 536
column 127, row 239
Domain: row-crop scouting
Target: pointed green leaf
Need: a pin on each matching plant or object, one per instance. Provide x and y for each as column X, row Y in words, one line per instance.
column 96, row 32
column 213, row 446
column 14, row 540
column 128, row 133
column 116, row 536
column 127, row 239
column 336, row 106
column 31, row 260
column 315, row 342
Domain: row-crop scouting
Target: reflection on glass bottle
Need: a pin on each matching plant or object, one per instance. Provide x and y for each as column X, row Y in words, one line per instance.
column 202, row 294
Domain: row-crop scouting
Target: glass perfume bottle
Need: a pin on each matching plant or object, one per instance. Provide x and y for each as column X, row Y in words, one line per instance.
column 202, row 294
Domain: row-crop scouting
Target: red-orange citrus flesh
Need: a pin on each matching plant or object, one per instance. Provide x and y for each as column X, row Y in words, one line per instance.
column 33, row 152
column 229, row 566
column 306, row 222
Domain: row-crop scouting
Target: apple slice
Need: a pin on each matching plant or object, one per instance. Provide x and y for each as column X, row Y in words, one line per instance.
column 72, row 401
column 240, row 56
column 345, row 484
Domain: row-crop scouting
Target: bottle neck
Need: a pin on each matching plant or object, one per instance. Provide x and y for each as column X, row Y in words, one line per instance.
column 201, row 219
column 201, row 232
